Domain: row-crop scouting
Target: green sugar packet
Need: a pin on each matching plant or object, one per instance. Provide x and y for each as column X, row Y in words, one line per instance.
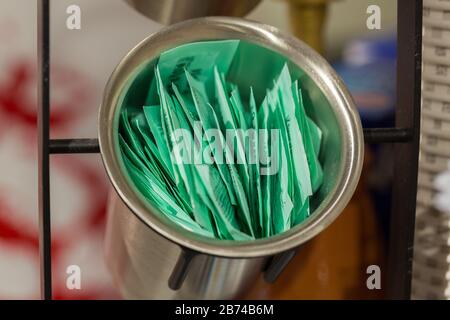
column 169, row 125
column 226, row 115
column 283, row 185
column 145, row 161
column 234, row 149
column 187, row 105
column 153, row 117
column 198, row 58
column 200, row 211
column 203, row 151
column 154, row 161
column 295, row 140
column 316, row 135
column 163, row 200
column 140, row 164
column 212, row 132
column 190, row 112
column 313, row 162
column 241, row 124
column 154, row 121
column 139, row 125
column 223, row 213
column 266, row 175
column 210, row 122
column 279, row 124
column 282, row 200
column 254, row 167
column 300, row 213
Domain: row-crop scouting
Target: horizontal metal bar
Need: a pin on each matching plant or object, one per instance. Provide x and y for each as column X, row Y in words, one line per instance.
column 67, row 146
column 371, row 135
column 388, row 135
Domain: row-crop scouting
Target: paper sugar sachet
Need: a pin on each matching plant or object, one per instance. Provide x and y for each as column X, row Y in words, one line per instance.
column 210, row 123
column 199, row 59
column 254, row 168
column 218, row 157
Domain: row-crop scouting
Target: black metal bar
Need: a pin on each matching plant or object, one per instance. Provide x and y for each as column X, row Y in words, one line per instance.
column 67, row 146
column 371, row 135
column 409, row 70
column 409, row 34
column 181, row 269
column 43, row 143
column 388, row 135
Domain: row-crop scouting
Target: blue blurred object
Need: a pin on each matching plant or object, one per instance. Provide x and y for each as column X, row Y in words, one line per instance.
column 368, row 68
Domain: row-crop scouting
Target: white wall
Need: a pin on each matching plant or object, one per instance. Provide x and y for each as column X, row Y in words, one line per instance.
column 346, row 19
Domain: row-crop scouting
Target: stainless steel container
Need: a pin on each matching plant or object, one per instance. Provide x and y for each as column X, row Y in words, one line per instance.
column 144, row 251
column 171, row 11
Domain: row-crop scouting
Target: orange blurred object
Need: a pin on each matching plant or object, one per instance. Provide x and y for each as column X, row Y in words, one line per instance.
column 333, row 265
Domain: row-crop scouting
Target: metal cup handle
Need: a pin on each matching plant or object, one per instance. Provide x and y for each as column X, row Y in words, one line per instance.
column 277, row 264
column 181, row 268
column 275, row 267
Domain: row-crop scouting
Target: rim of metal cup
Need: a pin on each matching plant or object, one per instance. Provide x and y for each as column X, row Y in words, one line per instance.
column 215, row 28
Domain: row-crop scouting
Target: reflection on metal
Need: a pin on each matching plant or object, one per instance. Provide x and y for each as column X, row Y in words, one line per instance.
column 141, row 244
column 171, row 11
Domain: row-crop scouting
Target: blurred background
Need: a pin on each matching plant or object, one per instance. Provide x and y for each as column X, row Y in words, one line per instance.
column 332, row 266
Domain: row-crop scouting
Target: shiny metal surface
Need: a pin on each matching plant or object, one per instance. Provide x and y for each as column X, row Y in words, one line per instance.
column 141, row 261
column 143, row 246
column 171, row 11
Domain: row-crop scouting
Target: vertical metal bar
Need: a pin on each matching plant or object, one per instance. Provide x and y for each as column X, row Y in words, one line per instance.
column 409, row 68
column 43, row 144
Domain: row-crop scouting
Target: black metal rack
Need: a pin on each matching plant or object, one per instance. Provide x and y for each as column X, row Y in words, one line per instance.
column 405, row 135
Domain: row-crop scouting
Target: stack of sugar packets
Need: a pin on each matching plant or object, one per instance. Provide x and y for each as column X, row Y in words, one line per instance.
column 216, row 158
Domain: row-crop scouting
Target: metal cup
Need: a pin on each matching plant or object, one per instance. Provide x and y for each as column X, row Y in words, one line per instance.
column 171, row 11
column 150, row 257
